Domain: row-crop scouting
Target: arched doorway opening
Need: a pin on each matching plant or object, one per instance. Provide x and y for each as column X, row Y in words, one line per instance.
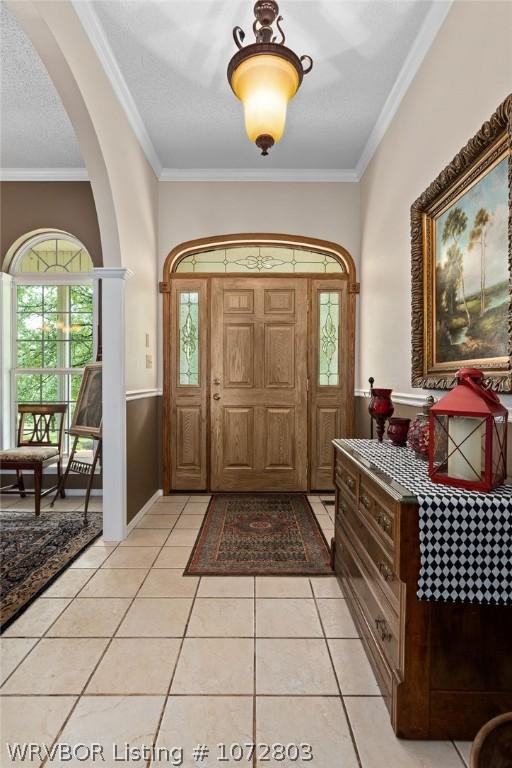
column 258, row 355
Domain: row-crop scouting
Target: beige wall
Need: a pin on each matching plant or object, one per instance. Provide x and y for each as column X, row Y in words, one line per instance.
column 189, row 210
column 465, row 75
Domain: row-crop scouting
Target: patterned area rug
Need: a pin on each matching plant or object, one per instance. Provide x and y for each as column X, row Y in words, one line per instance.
column 260, row 535
column 34, row 551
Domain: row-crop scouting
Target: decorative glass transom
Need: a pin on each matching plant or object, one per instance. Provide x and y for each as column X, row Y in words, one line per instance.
column 259, row 259
column 189, row 338
column 55, row 255
column 329, row 330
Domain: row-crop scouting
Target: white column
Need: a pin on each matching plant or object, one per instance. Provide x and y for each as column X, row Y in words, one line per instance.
column 114, row 401
column 6, row 396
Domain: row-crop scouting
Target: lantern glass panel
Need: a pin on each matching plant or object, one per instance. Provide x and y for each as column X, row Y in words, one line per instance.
column 459, row 447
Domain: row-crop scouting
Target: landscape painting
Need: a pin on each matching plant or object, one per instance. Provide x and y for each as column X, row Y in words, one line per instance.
column 472, row 273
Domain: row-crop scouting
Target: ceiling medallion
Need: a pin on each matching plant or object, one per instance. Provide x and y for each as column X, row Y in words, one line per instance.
column 265, row 76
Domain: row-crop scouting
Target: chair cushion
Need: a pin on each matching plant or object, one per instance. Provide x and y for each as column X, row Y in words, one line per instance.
column 29, row 453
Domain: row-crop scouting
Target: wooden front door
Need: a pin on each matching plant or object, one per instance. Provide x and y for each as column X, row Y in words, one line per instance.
column 258, row 384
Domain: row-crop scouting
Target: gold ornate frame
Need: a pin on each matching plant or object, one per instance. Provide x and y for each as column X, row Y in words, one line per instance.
column 492, row 142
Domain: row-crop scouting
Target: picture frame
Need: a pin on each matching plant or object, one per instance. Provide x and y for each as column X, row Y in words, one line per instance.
column 87, row 417
column 461, row 263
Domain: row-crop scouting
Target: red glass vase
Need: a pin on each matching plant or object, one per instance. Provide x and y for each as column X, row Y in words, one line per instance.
column 380, row 408
column 419, row 431
column 398, row 429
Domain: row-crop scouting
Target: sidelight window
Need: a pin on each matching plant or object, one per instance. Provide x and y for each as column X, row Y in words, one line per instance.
column 329, row 330
column 189, row 338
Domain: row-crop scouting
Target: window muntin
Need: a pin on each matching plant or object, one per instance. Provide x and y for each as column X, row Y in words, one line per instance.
column 189, row 338
column 329, row 337
column 259, row 259
column 53, row 328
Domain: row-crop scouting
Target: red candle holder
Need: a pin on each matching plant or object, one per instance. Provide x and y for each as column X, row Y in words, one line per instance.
column 398, row 429
column 380, row 408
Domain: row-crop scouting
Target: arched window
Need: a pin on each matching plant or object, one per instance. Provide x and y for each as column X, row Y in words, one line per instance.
column 53, row 320
column 259, row 258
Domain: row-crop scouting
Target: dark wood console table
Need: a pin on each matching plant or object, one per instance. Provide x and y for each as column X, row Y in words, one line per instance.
column 444, row 669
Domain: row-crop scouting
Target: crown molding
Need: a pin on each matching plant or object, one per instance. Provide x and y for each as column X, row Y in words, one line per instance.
column 98, row 39
column 43, row 174
column 424, row 39
column 258, row 174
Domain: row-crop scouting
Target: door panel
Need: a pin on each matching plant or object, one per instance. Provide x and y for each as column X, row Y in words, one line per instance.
column 258, row 384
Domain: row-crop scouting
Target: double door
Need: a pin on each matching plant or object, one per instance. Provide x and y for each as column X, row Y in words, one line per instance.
column 257, row 387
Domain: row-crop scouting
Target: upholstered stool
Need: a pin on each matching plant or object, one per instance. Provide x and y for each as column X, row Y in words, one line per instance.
column 40, row 431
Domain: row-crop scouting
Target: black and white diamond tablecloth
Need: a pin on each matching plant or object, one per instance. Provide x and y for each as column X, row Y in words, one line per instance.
column 465, row 537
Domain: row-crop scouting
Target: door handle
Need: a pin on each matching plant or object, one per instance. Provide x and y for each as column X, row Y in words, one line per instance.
column 216, row 380
column 216, row 396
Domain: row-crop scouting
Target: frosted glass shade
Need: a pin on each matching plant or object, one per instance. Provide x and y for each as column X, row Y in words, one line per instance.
column 265, row 84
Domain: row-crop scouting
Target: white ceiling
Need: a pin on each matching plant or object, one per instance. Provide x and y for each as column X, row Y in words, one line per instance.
column 168, row 62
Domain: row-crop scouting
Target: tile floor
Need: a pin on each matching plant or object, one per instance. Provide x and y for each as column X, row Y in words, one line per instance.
column 124, row 648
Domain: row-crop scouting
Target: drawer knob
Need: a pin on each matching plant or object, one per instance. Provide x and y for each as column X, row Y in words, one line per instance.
column 349, row 482
column 385, row 571
column 382, row 629
column 384, row 523
column 365, row 501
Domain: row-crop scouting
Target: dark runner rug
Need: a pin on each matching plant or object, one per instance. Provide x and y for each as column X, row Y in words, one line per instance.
column 264, row 534
column 34, row 551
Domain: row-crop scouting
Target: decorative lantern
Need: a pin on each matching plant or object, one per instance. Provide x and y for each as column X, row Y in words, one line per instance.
column 265, row 76
column 468, row 436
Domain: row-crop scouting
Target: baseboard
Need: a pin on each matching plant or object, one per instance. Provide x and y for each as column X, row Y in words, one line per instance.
column 142, row 511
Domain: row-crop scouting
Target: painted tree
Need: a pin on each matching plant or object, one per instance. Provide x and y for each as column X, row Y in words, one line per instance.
column 454, row 226
column 478, row 235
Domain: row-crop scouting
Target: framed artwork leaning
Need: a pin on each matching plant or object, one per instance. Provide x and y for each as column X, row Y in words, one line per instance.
column 87, row 417
column 461, row 263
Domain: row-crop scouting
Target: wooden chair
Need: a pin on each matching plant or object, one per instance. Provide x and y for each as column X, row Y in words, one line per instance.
column 36, row 449
column 492, row 747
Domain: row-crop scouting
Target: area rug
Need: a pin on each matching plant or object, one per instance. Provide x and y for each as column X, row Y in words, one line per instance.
column 34, row 551
column 260, row 534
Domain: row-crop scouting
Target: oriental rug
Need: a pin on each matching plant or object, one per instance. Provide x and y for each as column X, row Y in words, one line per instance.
column 34, row 551
column 260, row 534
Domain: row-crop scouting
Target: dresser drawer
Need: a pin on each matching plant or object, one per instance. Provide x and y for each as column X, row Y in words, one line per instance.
column 376, row 557
column 378, row 613
column 380, row 515
column 346, row 478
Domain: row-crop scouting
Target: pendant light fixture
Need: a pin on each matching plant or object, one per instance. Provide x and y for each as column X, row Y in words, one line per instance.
column 265, row 76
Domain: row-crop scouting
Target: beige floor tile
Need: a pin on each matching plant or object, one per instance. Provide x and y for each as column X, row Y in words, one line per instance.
column 34, row 720
column 282, row 586
column 70, row 583
column 313, row 498
column 93, row 557
column 56, row 666
column 166, row 508
column 323, row 518
column 292, row 617
column 336, row 618
column 352, row 668
column 200, row 499
column 188, row 522
column 105, row 544
column 226, row 586
column 328, row 532
column 173, row 557
column 318, row 722
column 165, row 522
column 37, row 618
column 132, row 557
column 90, row 617
column 168, row 582
column 181, row 538
column 195, row 508
column 136, row 666
column 12, row 651
column 115, row 582
column 222, row 617
column 226, row 720
column 464, row 748
column 317, row 507
column 215, row 665
column 109, row 720
column 174, row 497
column 156, row 617
column 145, row 537
column 379, row 748
column 326, row 586
column 294, row 667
